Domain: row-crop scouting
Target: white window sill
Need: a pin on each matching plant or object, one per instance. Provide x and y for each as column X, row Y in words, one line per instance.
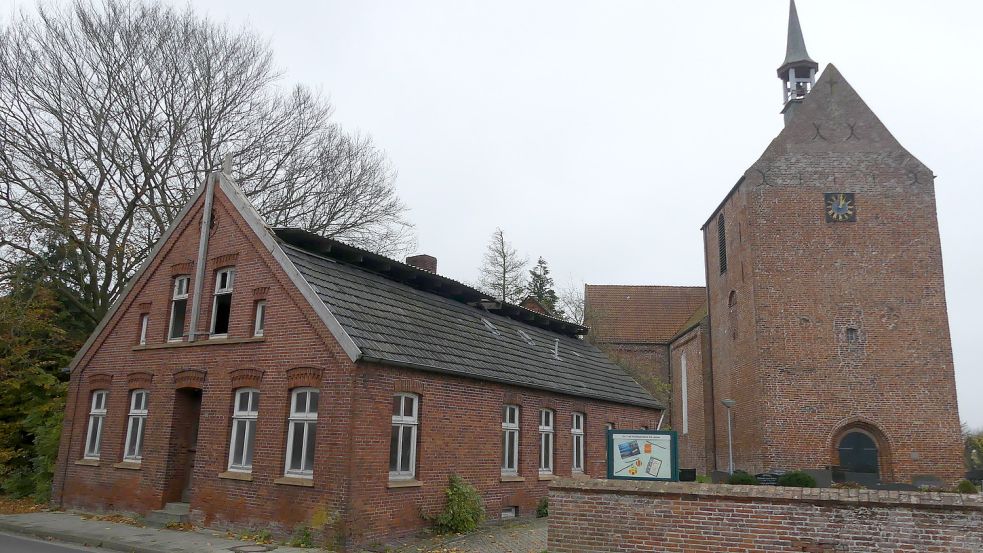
column 128, row 464
column 237, row 475
column 547, row 476
column 511, row 477
column 183, row 344
column 218, row 336
column 407, row 483
column 88, row 462
column 303, row 481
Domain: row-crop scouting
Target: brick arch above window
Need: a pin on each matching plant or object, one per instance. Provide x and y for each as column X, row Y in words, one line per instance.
column 513, row 398
column 407, row 385
column 303, row 376
column 185, row 268
column 246, row 378
column 99, row 380
column 260, row 292
column 139, row 379
column 189, row 378
column 228, row 259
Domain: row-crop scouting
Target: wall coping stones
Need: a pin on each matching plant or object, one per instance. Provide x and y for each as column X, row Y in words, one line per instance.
column 695, row 492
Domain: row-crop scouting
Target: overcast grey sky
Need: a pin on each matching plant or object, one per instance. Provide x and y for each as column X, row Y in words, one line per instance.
column 600, row 135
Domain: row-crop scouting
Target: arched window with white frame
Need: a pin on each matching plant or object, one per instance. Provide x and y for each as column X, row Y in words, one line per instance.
column 135, row 426
column 546, row 440
column 245, row 411
column 577, row 433
column 301, row 432
column 97, row 415
column 402, row 441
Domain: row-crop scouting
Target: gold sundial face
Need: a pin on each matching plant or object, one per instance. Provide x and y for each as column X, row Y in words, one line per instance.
column 840, row 207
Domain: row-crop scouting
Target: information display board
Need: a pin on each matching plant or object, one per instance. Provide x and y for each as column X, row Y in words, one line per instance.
column 643, row 455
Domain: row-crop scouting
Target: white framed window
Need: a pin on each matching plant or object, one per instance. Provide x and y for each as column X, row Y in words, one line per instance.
column 245, row 411
column 259, row 320
column 179, row 308
column 577, row 433
column 222, row 303
column 97, row 416
column 144, row 322
column 546, row 440
column 683, row 392
column 302, row 428
column 402, row 441
column 510, row 439
column 135, row 425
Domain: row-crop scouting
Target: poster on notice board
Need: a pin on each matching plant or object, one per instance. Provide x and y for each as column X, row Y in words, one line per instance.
column 642, row 455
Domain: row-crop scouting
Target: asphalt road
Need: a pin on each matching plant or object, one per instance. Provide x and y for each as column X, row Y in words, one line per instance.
column 10, row 543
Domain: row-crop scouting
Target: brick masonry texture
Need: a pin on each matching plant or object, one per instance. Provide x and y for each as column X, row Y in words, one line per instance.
column 349, row 499
column 619, row 516
column 799, row 282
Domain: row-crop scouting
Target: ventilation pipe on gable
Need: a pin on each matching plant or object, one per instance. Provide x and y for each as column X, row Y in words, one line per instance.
column 206, row 224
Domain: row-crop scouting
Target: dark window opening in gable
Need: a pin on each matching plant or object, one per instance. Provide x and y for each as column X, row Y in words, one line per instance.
column 222, row 307
column 852, row 335
column 722, row 243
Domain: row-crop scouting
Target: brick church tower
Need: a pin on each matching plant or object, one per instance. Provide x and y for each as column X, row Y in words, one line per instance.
column 828, row 322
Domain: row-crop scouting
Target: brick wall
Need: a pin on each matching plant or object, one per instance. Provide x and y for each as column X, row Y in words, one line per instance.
column 460, row 433
column 694, row 448
column 619, row 516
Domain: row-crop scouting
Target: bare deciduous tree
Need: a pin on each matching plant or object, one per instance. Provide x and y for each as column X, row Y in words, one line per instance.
column 503, row 272
column 571, row 302
column 111, row 113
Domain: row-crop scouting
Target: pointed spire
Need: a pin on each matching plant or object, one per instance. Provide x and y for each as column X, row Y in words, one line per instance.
column 798, row 71
column 795, row 51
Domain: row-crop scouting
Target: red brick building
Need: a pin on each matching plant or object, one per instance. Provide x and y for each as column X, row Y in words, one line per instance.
column 827, row 322
column 272, row 378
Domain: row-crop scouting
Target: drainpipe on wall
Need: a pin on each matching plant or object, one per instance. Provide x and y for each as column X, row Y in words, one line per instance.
column 206, row 224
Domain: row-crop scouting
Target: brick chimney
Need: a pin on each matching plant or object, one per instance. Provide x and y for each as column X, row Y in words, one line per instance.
column 423, row 261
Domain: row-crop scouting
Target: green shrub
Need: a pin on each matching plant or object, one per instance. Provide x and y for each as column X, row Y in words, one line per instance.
column 965, row 486
column 741, row 477
column 302, row 537
column 543, row 509
column 703, row 479
column 463, row 512
column 797, row 479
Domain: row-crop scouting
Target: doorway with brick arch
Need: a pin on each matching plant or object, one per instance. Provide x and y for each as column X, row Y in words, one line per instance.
column 861, row 453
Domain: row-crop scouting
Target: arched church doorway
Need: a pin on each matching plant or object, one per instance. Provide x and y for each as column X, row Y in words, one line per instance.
column 858, row 453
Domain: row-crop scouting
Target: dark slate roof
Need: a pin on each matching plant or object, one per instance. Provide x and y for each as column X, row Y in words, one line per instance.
column 395, row 323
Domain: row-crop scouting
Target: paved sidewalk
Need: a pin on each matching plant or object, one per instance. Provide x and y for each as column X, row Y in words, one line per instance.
column 122, row 537
column 518, row 537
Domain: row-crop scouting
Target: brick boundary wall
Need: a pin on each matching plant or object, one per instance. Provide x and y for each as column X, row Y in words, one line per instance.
column 600, row 516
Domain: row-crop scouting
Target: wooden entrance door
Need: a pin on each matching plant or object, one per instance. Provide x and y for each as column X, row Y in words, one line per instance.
column 187, row 411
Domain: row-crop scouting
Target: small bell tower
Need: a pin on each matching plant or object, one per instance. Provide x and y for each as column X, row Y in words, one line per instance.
column 798, row 71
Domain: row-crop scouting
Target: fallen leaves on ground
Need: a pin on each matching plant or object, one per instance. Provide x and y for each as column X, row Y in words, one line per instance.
column 118, row 519
column 11, row 506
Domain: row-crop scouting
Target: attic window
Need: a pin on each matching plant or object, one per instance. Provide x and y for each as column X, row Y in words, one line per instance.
column 852, row 335
column 490, row 326
column 526, row 337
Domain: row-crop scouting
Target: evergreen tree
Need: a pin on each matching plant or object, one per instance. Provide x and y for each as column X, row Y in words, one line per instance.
column 541, row 288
